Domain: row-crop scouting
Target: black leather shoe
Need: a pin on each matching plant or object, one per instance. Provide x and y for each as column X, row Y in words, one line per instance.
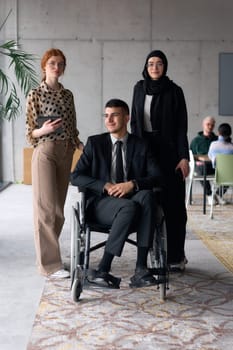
column 142, row 278
column 104, row 279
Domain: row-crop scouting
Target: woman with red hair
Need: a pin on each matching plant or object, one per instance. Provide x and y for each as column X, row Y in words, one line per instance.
column 51, row 130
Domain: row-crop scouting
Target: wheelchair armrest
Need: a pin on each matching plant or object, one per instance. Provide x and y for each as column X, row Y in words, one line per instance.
column 82, row 189
column 82, row 203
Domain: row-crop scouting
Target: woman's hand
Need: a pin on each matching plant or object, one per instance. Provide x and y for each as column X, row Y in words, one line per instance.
column 48, row 127
column 80, row 146
column 183, row 165
column 51, row 126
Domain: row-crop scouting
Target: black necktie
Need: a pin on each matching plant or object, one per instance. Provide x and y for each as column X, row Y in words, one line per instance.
column 119, row 163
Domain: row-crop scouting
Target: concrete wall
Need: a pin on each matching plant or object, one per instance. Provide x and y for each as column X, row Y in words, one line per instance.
column 106, row 43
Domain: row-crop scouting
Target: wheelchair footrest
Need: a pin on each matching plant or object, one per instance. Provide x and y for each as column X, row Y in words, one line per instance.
column 158, row 271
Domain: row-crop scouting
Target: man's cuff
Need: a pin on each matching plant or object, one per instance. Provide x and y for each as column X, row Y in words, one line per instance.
column 135, row 185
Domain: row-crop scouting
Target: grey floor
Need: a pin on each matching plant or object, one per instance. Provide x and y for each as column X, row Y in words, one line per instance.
column 20, row 284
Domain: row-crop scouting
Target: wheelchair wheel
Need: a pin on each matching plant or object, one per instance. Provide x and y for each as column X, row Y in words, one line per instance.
column 164, row 275
column 75, row 229
column 158, row 254
column 77, row 240
column 77, row 284
column 77, row 253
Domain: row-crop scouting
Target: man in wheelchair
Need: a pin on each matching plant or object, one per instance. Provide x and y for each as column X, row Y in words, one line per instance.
column 119, row 179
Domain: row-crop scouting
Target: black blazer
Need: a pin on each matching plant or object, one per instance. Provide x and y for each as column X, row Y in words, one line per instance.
column 173, row 134
column 93, row 169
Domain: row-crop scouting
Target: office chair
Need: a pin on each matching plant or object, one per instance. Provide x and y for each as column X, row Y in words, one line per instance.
column 223, row 175
column 195, row 177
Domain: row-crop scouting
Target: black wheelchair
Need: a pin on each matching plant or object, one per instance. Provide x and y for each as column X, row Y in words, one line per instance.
column 81, row 229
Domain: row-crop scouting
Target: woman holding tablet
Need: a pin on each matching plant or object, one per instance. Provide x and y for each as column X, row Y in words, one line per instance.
column 51, row 130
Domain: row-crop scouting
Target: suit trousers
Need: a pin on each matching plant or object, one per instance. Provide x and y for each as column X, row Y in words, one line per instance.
column 125, row 215
column 51, row 164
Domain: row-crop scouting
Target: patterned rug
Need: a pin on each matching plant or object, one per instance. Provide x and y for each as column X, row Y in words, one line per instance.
column 216, row 233
column 197, row 314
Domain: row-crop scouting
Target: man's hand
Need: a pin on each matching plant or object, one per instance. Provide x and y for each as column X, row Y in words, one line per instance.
column 120, row 189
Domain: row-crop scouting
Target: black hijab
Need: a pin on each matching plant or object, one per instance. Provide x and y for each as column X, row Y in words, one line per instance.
column 225, row 131
column 154, row 87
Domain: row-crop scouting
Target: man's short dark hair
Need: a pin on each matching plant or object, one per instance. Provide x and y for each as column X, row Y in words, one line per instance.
column 115, row 102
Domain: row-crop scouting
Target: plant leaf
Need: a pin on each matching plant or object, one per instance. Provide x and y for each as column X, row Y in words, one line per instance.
column 12, row 105
column 4, row 83
column 26, row 77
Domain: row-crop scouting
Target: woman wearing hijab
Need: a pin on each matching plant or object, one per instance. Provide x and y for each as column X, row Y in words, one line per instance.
column 159, row 115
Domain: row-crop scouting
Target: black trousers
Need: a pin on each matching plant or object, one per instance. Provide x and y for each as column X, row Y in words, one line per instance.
column 173, row 202
column 173, row 197
column 125, row 215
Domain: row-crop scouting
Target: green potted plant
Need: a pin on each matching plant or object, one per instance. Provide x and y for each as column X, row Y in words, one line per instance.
column 25, row 75
column 25, row 78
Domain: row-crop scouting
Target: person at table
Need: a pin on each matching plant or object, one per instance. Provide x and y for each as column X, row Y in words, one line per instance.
column 200, row 146
column 119, row 201
column 222, row 146
column 159, row 115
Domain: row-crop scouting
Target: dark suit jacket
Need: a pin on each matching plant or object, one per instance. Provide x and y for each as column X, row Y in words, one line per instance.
column 93, row 169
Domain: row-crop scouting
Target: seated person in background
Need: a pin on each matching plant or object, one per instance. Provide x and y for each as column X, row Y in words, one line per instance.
column 200, row 145
column 222, row 146
column 120, row 202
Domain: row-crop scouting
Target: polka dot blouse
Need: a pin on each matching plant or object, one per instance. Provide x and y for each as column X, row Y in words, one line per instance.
column 44, row 101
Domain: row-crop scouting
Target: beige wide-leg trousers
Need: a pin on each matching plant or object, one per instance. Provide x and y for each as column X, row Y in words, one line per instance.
column 51, row 164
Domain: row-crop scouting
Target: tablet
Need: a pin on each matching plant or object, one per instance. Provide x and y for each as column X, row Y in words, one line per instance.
column 42, row 118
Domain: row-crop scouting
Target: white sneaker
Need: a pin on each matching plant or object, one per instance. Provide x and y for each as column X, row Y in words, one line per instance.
column 220, row 200
column 60, row 274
